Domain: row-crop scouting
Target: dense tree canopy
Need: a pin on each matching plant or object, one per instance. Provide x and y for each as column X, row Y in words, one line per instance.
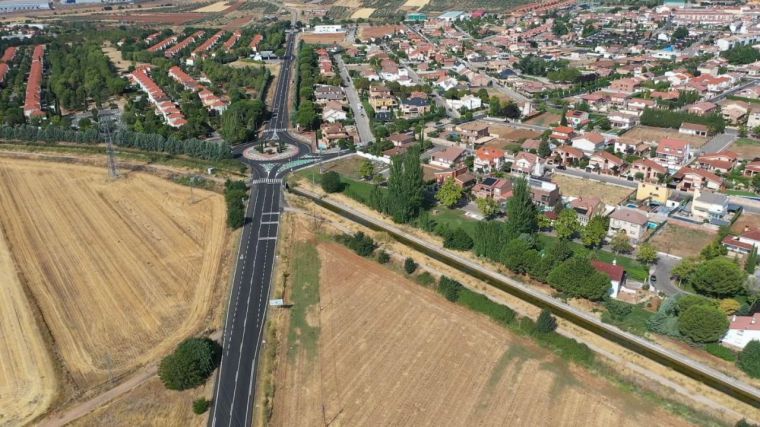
column 718, row 277
column 576, row 277
column 191, row 363
column 703, row 323
column 241, row 119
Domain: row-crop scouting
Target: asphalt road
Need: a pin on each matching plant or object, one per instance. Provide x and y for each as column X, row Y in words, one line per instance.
column 249, row 296
column 360, row 116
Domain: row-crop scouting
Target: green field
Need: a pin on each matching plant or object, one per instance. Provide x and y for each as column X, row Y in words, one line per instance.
column 305, row 298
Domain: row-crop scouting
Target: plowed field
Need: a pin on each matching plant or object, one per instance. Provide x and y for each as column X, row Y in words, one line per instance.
column 120, row 271
column 391, row 352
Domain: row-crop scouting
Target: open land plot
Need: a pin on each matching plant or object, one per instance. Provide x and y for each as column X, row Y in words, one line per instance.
column 372, row 347
column 415, row 4
column 363, row 13
column 544, row 119
column 114, row 55
column 505, row 131
column 347, row 166
column 28, row 381
column 648, row 133
column 122, row 270
column 323, row 38
column 746, row 219
column 377, row 31
column 746, row 148
column 579, row 187
column 159, row 18
column 681, row 241
column 219, row 6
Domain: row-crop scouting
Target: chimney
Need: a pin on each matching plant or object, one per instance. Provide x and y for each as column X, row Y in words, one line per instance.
column 746, row 228
column 752, row 322
column 733, row 319
column 614, row 261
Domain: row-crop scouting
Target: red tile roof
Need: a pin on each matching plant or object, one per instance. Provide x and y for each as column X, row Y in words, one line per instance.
column 32, row 103
column 614, row 272
column 746, row 323
column 9, row 54
column 232, row 40
column 183, row 44
column 208, row 44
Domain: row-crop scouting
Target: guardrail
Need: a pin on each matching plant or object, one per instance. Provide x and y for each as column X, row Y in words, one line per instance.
column 680, row 363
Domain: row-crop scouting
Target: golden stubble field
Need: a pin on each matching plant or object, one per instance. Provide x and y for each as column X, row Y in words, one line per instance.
column 391, row 352
column 120, row 272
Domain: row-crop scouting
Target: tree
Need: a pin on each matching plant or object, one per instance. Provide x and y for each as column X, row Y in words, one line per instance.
column 594, row 232
column 647, row 254
column 751, row 261
column 620, row 242
column 450, row 193
column 703, row 324
column 513, row 255
column 713, row 250
column 741, row 55
column 367, row 170
column 383, row 257
column 749, row 359
column 331, row 182
column 240, row 120
column 512, row 111
column 307, row 117
column 201, row 405
column 449, row 288
column 685, row 269
column 567, row 224
column 544, row 223
column 576, row 277
column 543, row 149
column 546, row 322
column 521, row 212
column 410, row 266
column 563, row 119
column 680, row 33
column 718, row 277
column 458, row 239
column 191, row 363
column 756, row 182
column 729, row 306
column 487, row 206
column 405, row 186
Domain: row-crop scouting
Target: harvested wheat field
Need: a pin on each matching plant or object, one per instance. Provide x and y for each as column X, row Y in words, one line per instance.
column 363, row 13
column 391, row 352
column 219, row 6
column 120, row 271
column 581, row 187
column 414, row 4
column 27, row 375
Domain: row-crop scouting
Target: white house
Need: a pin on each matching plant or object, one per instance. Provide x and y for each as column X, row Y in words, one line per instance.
column 447, row 158
column 589, row 142
column 742, row 330
column 467, row 102
column 333, row 112
column 708, row 205
column 615, row 272
column 633, row 222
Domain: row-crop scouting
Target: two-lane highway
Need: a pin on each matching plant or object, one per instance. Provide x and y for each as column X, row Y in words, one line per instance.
column 249, row 296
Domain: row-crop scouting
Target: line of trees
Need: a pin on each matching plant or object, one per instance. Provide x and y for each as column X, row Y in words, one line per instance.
column 235, row 193
column 306, row 113
column 148, row 142
column 673, row 119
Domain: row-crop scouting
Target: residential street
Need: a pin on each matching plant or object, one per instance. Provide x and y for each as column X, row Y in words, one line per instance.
column 720, row 142
column 663, row 271
column 439, row 101
column 360, row 116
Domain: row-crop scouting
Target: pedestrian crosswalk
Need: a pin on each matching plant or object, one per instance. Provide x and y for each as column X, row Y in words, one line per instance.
column 266, row 181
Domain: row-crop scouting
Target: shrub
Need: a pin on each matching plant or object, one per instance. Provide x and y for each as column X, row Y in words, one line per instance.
column 410, row 266
column 458, row 240
column 201, row 405
column 449, row 288
column 191, row 363
column 358, row 242
column 718, row 277
column 703, row 323
column 383, row 257
column 425, row 279
column 482, row 304
column 234, row 194
column 331, row 182
column 685, row 302
column 749, row 359
column 567, row 348
column 719, row 351
column 546, row 322
column 618, row 309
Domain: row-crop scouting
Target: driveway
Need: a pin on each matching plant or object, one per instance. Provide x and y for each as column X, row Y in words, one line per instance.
column 720, row 142
column 663, row 270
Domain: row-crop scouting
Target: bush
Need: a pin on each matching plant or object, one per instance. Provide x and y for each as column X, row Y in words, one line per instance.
column 482, row 304
column 425, row 279
column 191, row 363
column 619, row 310
column 458, row 240
column 358, row 242
column 383, row 257
column 567, row 348
column 410, row 266
column 331, row 182
column 749, row 359
column 703, row 323
column 719, row 351
column 546, row 322
column 234, row 194
column 449, row 288
column 685, row 302
column 718, row 277
column 201, row 405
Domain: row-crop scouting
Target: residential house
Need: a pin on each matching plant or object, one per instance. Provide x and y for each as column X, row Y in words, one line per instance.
column 709, row 206
column 752, row 168
column 690, row 179
column 526, row 163
column 488, row 159
column 627, row 85
column 447, row 158
column 586, row 208
column 650, row 171
column 472, row 132
column 742, row 330
column 333, row 112
column 562, row 134
column 567, row 155
column 380, row 98
column 606, row 163
column 623, row 120
column 734, row 112
column 326, row 93
column 722, row 162
column 632, row 221
column 673, row 153
column 460, row 174
column 468, row 102
column 332, row 133
column 414, row 107
column 703, row 108
column 743, row 243
column 693, row 129
column 658, row 193
column 589, row 142
column 615, row 272
column 753, row 118
column 499, row 189
column 576, row 118
column 545, row 194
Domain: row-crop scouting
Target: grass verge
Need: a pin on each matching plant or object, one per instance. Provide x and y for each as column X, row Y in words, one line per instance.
column 305, row 297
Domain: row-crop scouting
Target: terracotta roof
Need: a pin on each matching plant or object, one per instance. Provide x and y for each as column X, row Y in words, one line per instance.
column 746, row 323
column 629, row 215
column 489, row 153
column 614, row 272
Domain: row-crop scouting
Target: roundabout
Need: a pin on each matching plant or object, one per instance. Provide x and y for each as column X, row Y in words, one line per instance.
column 271, row 152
